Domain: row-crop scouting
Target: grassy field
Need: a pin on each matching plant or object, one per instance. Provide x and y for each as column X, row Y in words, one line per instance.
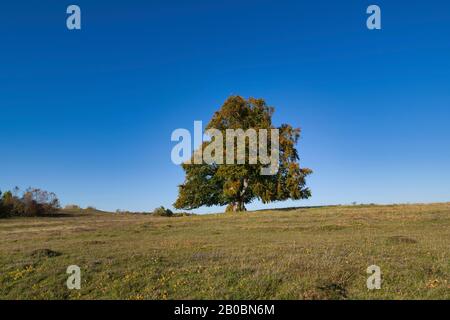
column 307, row 253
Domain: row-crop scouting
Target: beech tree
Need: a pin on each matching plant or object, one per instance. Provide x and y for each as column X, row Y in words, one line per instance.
column 233, row 184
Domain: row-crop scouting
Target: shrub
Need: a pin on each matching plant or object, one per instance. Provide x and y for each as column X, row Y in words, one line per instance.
column 72, row 207
column 120, row 211
column 162, row 212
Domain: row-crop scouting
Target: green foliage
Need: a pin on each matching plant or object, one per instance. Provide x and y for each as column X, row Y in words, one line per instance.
column 32, row 202
column 238, row 184
column 162, row 212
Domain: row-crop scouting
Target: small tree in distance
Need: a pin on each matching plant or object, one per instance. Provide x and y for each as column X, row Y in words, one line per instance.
column 235, row 185
column 162, row 212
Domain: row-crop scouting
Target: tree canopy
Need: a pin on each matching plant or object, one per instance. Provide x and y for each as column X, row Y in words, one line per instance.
column 234, row 185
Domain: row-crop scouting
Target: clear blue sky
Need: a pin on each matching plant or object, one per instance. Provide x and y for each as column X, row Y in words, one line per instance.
column 88, row 114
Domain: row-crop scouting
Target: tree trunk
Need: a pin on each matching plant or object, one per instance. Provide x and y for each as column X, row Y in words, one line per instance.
column 239, row 206
column 236, row 206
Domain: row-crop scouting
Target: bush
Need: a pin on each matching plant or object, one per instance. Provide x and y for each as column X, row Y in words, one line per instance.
column 162, row 212
column 120, row 211
column 31, row 203
column 72, row 207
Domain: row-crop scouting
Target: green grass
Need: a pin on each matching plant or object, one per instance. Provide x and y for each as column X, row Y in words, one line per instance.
column 309, row 253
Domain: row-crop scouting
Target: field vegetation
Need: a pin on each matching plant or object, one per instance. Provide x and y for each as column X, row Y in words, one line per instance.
column 299, row 253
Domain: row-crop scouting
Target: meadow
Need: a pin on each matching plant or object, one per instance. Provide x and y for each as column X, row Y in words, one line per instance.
column 298, row 253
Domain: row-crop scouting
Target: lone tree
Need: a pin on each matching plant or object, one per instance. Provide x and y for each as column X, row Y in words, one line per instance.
column 234, row 185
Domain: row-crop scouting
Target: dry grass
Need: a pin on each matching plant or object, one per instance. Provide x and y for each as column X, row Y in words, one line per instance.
column 310, row 253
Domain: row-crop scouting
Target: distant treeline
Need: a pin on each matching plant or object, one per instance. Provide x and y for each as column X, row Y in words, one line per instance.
column 29, row 203
column 160, row 212
column 36, row 202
